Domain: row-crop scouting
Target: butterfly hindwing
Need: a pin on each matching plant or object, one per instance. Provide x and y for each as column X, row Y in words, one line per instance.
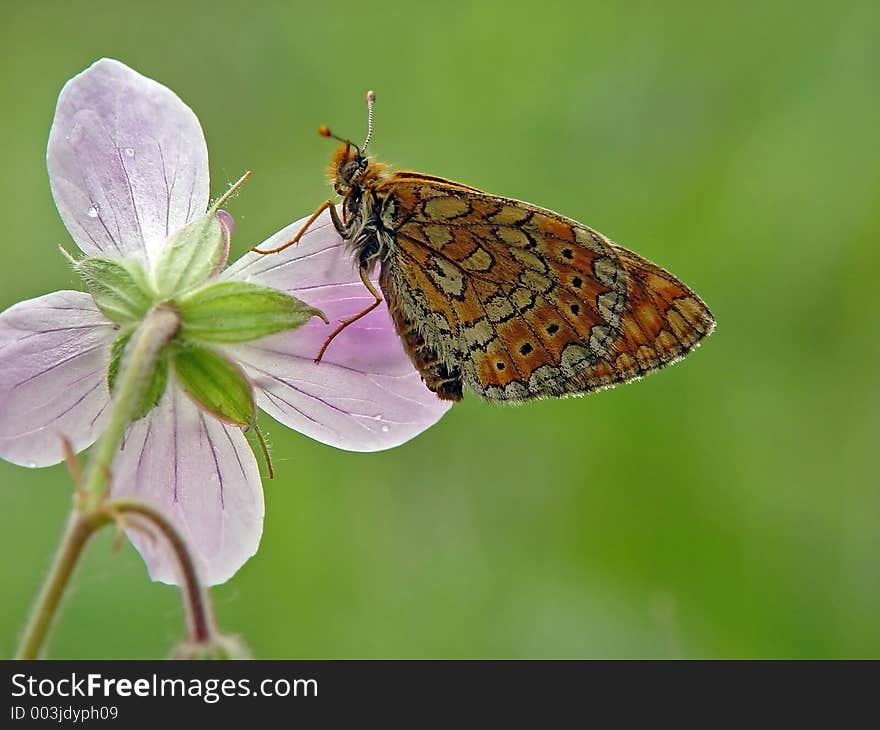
column 517, row 302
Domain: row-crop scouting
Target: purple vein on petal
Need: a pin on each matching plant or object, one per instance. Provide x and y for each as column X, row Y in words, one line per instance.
column 174, row 445
column 85, row 186
column 276, row 398
column 36, row 333
column 33, row 333
column 303, row 392
column 100, row 413
column 114, row 139
column 168, row 187
column 287, row 355
column 176, row 174
column 337, row 408
column 103, row 223
column 385, row 389
column 350, row 299
column 61, row 362
column 89, row 310
column 305, row 256
column 143, row 451
column 258, row 259
column 189, row 203
column 55, row 416
column 134, row 208
column 330, row 286
column 213, row 456
column 101, row 218
column 237, row 455
column 78, row 380
column 89, row 233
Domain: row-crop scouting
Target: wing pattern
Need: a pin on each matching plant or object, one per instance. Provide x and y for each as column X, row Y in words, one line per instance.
column 517, row 302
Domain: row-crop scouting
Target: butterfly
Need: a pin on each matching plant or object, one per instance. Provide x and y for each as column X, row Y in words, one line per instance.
column 500, row 297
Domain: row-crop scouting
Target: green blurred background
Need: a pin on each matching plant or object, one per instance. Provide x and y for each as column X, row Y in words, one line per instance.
column 727, row 507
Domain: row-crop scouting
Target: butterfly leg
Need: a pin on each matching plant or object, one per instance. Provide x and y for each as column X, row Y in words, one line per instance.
column 351, row 320
column 337, row 222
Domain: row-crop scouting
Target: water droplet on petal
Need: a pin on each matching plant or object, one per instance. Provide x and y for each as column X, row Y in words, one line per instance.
column 129, row 151
column 385, row 428
column 93, row 211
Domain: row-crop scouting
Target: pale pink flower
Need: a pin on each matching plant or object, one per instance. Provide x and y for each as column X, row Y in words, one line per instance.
column 128, row 167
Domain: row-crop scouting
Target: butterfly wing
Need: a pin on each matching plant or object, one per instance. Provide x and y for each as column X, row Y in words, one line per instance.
column 517, row 302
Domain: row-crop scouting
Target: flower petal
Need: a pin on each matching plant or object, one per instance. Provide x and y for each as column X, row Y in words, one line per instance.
column 127, row 161
column 365, row 395
column 54, row 353
column 318, row 261
column 202, row 475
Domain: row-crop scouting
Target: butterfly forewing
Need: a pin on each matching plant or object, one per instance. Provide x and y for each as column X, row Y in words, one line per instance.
column 517, row 302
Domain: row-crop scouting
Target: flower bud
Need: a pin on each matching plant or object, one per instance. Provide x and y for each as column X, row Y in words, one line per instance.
column 217, row 647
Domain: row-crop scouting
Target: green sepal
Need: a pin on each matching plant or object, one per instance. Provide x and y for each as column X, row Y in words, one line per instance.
column 190, row 256
column 157, row 383
column 120, row 289
column 215, row 384
column 238, row 311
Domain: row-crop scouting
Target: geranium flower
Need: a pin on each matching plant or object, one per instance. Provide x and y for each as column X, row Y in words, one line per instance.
column 128, row 167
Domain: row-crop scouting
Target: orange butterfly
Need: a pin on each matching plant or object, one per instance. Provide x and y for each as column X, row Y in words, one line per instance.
column 510, row 300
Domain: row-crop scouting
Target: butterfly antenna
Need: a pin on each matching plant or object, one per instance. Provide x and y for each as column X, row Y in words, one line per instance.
column 371, row 100
column 324, row 131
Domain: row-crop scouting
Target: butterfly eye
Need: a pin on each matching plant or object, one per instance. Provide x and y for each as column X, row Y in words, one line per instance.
column 350, row 169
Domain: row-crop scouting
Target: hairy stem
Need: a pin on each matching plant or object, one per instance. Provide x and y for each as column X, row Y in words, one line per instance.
column 232, row 191
column 199, row 619
column 79, row 529
column 136, row 371
column 92, row 511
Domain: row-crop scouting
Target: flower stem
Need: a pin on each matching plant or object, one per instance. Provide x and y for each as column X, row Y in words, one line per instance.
column 200, row 621
column 232, row 191
column 80, row 527
column 155, row 331
column 92, row 511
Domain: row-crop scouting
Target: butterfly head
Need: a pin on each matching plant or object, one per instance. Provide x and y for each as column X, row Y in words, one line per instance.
column 347, row 166
column 350, row 167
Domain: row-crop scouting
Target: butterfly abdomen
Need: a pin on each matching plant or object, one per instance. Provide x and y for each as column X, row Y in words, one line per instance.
column 444, row 379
